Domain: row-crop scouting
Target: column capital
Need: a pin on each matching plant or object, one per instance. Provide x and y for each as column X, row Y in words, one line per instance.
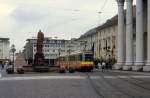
column 120, row 2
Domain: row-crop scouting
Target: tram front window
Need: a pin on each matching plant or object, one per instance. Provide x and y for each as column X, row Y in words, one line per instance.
column 88, row 57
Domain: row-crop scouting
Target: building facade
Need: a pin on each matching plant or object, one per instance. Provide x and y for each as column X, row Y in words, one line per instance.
column 4, row 49
column 126, row 36
column 106, row 39
column 88, row 41
column 52, row 48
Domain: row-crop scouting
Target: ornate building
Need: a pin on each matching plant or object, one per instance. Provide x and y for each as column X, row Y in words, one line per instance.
column 125, row 56
column 52, row 48
column 125, row 36
column 4, row 49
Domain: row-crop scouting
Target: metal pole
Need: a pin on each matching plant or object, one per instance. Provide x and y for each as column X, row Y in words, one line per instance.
column 69, row 53
column 59, row 57
column 13, row 60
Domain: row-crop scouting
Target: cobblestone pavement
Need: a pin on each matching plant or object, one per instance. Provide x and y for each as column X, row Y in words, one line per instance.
column 110, row 84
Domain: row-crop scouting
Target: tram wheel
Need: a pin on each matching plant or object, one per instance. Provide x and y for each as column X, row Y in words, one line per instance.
column 62, row 71
column 71, row 70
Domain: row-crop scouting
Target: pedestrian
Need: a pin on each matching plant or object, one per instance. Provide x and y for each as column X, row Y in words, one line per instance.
column 0, row 74
column 2, row 66
column 103, row 66
column 96, row 63
column 99, row 65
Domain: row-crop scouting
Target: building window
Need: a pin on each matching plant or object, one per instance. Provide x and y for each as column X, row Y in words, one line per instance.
column 34, row 45
column 46, row 50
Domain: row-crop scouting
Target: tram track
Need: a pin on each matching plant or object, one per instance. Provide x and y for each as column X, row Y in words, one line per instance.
column 133, row 77
column 139, row 79
column 111, row 85
column 94, row 87
column 133, row 81
column 116, row 87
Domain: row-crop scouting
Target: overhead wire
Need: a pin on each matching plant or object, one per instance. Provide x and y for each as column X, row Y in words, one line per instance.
column 103, row 6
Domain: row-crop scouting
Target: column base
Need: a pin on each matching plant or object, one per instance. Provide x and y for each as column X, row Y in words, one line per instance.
column 117, row 67
column 146, row 68
column 137, row 68
column 127, row 67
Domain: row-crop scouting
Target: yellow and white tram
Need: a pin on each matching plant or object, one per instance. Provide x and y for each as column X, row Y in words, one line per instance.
column 81, row 61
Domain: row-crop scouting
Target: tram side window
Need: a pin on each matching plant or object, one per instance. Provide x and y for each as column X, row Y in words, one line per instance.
column 66, row 58
column 88, row 57
column 62, row 58
column 79, row 57
column 72, row 58
column 76, row 58
column 69, row 58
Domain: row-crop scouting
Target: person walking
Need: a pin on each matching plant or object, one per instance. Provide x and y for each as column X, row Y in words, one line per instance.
column 2, row 66
column 103, row 65
column 99, row 65
column 0, row 73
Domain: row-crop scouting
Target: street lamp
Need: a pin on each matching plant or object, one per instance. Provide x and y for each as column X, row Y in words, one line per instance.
column 59, row 50
column 100, row 17
column 69, row 59
column 13, row 51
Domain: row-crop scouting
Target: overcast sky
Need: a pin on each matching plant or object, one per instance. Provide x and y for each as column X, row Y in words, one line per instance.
column 22, row 19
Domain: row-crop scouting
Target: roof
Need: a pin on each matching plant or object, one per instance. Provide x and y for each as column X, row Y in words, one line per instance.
column 90, row 32
column 114, row 20
column 75, row 53
column 110, row 22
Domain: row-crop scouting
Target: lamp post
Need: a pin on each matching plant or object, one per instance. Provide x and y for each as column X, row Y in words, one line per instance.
column 13, row 51
column 69, row 59
column 59, row 50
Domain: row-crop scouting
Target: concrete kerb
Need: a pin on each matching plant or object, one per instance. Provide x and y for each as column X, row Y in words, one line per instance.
column 133, row 72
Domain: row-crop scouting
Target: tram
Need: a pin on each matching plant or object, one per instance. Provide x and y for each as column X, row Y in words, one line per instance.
column 76, row 61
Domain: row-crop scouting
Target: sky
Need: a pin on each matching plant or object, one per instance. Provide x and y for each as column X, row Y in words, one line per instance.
column 65, row 19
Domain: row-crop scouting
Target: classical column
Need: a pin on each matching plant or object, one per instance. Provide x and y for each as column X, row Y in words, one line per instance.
column 147, row 67
column 121, row 37
column 129, row 35
column 139, row 37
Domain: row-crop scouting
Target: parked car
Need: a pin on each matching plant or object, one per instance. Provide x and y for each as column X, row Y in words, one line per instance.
column 10, row 69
